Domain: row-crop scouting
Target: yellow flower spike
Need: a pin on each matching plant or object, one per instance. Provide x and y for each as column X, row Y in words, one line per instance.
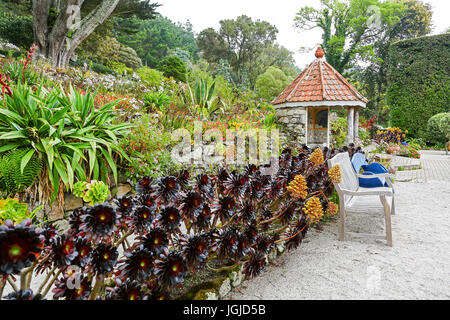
column 298, row 187
column 332, row 208
column 313, row 209
column 335, row 174
column 317, row 157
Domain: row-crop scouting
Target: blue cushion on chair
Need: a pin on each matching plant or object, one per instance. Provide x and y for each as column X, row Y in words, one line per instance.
column 373, row 168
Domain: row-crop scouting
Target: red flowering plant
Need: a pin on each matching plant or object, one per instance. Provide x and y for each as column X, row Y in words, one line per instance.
column 173, row 227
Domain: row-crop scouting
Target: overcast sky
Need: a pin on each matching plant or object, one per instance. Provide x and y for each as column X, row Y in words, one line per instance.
column 281, row 13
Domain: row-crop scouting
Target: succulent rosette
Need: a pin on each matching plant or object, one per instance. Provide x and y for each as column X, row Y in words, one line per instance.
column 104, row 258
column 251, row 233
column 149, row 201
column 84, row 248
column 257, row 189
column 125, row 204
column 225, row 208
column 158, row 292
column 205, row 185
column 72, row 289
column 19, row 246
column 263, row 243
column 243, row 246
column 144, row 185
column 183, row 178
column 287, row 212
column 128, row 290
column 237, row 185
column 255, row 265
column 226, row 243
column 167, row 188
column 75, row 221
column 170, row 268
column 191, row 204
column 100, row 222
column 195, row 249
column 63, row 250
column 138, row 264
column 170, row 219
column 140, row 219
column 23, row 295
column 247, row 212
column 203, row 218
column 49, row 231
column 156, row 241
column 274, row 189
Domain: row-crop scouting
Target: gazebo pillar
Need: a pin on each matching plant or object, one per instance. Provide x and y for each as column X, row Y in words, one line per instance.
column 350, row 124
column 356, row 124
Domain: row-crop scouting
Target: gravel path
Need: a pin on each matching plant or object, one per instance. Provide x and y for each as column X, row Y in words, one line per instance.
column 416, row 267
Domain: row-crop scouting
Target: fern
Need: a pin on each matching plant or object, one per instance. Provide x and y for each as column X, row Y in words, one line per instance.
column 12, row 180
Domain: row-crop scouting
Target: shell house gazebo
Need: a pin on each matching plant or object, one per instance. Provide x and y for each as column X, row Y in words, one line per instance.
column 304, row 106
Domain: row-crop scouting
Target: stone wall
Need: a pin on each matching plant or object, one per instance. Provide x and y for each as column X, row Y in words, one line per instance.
column 293, row 121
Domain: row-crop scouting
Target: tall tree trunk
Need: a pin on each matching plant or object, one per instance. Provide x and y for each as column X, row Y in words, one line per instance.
column 59, row 44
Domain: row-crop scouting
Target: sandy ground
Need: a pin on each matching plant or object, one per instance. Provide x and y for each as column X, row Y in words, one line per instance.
column 416, row 267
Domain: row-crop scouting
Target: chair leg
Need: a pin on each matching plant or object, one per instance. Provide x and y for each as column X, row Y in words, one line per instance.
column 387, row 213
column 393, row 205
column 341, row 222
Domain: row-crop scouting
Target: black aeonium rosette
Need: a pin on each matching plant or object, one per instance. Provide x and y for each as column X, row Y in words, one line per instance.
column 140, row 218
column 225, row 208
column 246, row 212
column 71, row 288
column 170, row 219
column 195, row 249
column 127, row 290
column 237, row 185
column 226, row 242
column 155, row 241
column 203, row 218
column 167, row 188
column 125, row 204
column 19, row 246
column 23, row 295
column 205, row 185
column 104, row 258
column 183, row 178
column 191, row 204
column 63, row 250
column 144, row 185
column 255, row 265
column 170, row 268
column 100, row 222
column 149, row 201
column 75, row 220
column 138, row 264
column 84, row 248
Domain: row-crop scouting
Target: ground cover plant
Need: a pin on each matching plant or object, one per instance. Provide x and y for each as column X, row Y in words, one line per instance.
column 144, row 246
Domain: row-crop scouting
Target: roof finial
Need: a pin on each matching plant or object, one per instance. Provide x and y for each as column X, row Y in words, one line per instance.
column 319, row 53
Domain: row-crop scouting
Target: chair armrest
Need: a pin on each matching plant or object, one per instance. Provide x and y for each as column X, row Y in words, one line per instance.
column 371, row 176
column 367, row 193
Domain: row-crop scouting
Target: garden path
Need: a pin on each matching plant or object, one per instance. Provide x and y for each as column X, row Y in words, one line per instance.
column 435, row 166
column 416, row 267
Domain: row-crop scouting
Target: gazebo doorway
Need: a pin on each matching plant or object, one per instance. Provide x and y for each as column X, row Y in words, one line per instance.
column 318, row 126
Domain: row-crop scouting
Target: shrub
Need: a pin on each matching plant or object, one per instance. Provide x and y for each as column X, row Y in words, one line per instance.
column 151, row 77
column 16, row 29
column 173, row 67
column 271, row 83
column 418, row 82
column 438, row 128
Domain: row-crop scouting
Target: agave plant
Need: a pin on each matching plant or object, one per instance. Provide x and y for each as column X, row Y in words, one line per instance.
column 74, row 140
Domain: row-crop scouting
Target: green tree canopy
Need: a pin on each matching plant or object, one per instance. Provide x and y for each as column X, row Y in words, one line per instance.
column 271, row 83
column 247, row 46
column 174, row 67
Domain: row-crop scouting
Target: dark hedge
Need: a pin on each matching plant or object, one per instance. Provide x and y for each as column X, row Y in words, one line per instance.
column 418, row 82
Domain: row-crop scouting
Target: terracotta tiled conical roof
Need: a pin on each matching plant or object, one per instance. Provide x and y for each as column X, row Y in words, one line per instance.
column 320, row 82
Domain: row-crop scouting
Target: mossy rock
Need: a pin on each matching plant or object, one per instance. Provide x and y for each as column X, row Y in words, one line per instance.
column 203, row 294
